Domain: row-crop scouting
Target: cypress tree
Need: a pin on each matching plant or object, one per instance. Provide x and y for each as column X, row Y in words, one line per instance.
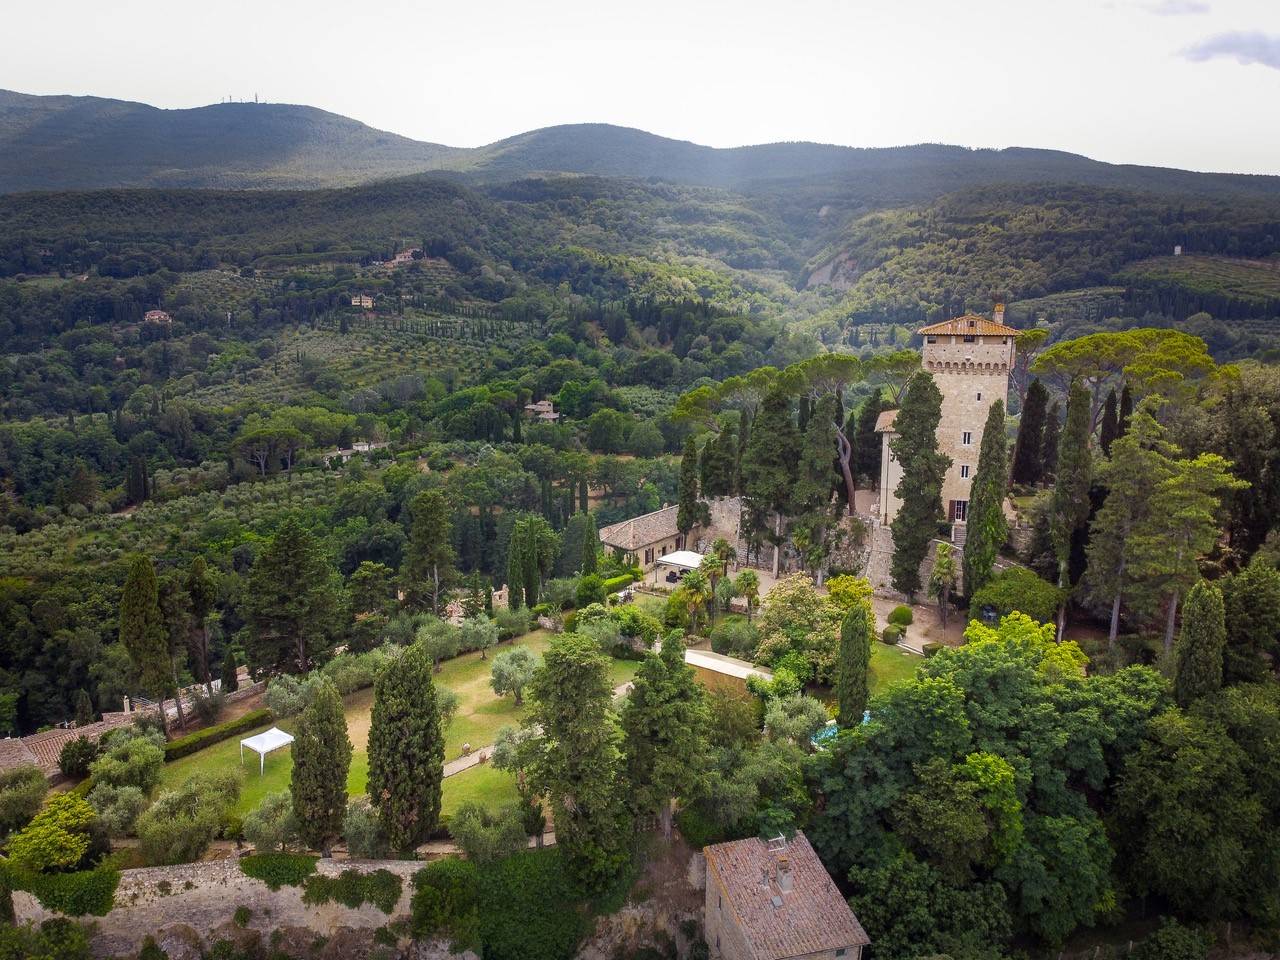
column 428, row 569
column 866, row 442
column 142, row 630
column 853, row 687
column 1251, row 599
column 1109, row 432
column 590, row 545
column 84, row 708
column 1069, row 507
column 516, row 427
column 1126, row 411
column 1201, row 644
column 584, row 500
column 691, row 511
column 920, row 489
column 1028, row 450
column 529, row 572
column 321, row 758
column 1052, row 434
column 744, row 437
column 230, row 678
column 768, row 468
column 986, row 525
column 135, row 483
column 406, row 750
column 515, row 568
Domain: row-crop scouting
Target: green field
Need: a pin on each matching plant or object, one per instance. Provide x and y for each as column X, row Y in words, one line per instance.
column 1253, row 281
column 481, row 714
column 889, row 665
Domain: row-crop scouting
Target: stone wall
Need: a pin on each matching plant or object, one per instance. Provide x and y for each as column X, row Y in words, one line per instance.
column 206, row 895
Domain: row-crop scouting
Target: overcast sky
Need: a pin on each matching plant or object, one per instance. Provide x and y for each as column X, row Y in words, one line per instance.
column 1185, row 83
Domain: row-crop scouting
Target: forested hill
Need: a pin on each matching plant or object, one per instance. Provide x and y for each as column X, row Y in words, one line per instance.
column 59, row 143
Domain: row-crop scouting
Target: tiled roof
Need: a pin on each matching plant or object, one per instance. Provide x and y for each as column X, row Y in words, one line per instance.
column 884, row 422
column 778, row 923
column 970, row 325
column 641, row 531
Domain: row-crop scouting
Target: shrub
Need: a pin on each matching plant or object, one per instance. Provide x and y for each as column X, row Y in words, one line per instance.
column 512, row 623
column 79, row 894
column 76, row 756
column 132, row 762
column 286, row 695
column 351, row 888
column 1173, row 941
column 278, row 870
column 363, row 831
column 735, row 636
column 118, row 808
column 59, row 938
column 180, row 825
column 206, row 706
column 591, row 589
column 560, row 593
column 356, row 671
column 698, row 829
column 891, row 634
column 614, row 584
column 242, row 916
column 271, row 826
column 901, row 615
column 58, row 836
column 22, row 790
column 485, row 836
column 446, row 902
column 527, row 910
column 189, row 744
column 1018, row 589
column 931, row 649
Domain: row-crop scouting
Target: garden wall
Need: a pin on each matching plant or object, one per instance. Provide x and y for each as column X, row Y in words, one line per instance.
column 206, row 895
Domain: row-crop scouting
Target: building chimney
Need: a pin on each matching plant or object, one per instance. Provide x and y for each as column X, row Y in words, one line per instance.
column 784, row 874
column 998, row 314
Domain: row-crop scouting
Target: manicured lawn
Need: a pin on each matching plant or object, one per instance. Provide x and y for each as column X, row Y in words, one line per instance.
column 480, row 715
column 889, row 664
column 482, row 784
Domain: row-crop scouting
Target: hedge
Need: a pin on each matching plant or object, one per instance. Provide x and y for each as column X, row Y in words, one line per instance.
column 891, row 634
column 614, row 584
column 82, row 893
column 901, row 615
column 931, row 649
column 351, row 888
column 278, row 870
column 193, row 742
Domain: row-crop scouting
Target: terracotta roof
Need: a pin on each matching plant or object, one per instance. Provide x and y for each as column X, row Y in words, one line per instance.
column 884, row 422
column 971, row 324
column 777, row 923
column 641, row 531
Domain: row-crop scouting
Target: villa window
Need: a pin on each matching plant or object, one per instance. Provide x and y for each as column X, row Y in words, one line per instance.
column 966, row 438
column 964, row 472
column 979, row 394
column 968, row 339
column 930, row 339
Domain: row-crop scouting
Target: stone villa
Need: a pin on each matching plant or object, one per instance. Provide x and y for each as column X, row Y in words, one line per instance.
column 775, row 900
column 970, row 358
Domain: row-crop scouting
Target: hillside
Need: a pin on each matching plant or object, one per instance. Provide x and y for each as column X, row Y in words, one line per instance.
column 59, row 143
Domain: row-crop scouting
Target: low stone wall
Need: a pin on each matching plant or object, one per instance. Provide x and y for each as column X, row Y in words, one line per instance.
column 205, row 896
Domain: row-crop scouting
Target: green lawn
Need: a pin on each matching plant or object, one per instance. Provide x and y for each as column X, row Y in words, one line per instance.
column 889, row 664
column 480, row 715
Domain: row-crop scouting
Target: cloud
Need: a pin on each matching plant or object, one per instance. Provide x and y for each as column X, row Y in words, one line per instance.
column 1243, row 46
column 1177, row 8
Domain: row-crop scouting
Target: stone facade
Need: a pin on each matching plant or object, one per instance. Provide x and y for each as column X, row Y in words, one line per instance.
column 970, row 358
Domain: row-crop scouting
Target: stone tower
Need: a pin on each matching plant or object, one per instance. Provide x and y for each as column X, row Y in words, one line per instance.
column 970, row 358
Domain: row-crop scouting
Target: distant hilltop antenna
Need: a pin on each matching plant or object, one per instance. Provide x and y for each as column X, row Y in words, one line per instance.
column 255, row 96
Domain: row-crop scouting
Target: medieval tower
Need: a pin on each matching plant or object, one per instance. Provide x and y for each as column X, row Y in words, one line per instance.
column 970, row 358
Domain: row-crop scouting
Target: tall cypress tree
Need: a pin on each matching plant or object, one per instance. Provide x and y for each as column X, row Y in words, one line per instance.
column 321, row 758
column 1126, row 411
column 590, row 545
column 515, row 567
column 986, row 526
column 406, row 750
column 768, row 468
column 1052, row 434
column 744, row 438
column 853, row 686
column 1109, row 431
column 691, row 510
column 1028, row 450
column 866, row 442
column 142, row 629
column 428, row 569
column 1069, row 507
column 920, row 489
column 1202, row 642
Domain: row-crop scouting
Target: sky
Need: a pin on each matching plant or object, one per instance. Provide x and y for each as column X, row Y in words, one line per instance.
column 1182, row 83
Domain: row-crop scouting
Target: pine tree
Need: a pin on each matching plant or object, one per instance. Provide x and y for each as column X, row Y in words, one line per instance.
column 664, row 729
column 920, row 489
column 321, row 758
column 580, row 766
column 691, row 511
column 1109, row 432
column 142, row 630
column 853, row 687
column 291, row 600
column 1052, row 434
column 1069, row 507
column 428, row 569
column 986, row 526
column 1028, row 449
column 406, row 750
column 1201, row 644
column 768, row 467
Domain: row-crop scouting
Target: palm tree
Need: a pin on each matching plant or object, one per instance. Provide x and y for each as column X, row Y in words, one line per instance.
column 698, row 587
column 726, row 551
column 713, row 567
column 943, row 580
column 748, row 584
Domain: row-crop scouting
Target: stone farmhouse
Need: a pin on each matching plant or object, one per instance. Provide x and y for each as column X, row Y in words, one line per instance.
column 649, row 536
column 775, row 900
column 970, row 358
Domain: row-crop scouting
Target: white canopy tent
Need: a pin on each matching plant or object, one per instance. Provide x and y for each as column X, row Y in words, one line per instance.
column 263, row 743
column 677, row 560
